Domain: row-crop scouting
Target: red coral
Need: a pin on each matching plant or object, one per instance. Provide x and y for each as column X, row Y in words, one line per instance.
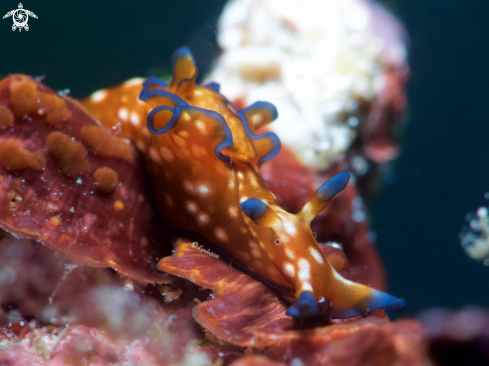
column 57, row 185
column 247, row 313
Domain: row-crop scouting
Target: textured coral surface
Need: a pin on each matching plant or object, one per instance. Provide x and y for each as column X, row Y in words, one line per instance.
column 72, row 196
column 98, row 317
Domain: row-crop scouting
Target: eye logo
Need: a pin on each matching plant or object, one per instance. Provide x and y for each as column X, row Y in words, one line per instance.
column 20, row 17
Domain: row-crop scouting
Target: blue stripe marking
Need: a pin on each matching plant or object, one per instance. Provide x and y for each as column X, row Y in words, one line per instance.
column 270, row 135
column 177, row 111
column 262, row 105
column 147, row 94
column 171, row 123
column 213, row 86
column 153, row 81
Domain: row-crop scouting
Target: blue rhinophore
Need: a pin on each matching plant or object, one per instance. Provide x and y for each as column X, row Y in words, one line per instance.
column 254, row 208
column 305, row 307
column 334, row 185
column 383, row 300
column 179, row 53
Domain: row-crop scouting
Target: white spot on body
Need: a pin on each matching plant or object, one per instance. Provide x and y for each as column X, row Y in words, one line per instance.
column 98, row 96
column 185, row 116
column 134, row 81
column 220, row 234
column 289, row 253
column 154, row 155
column 306, row 286
column 204, row 218
column 317, row 256
column 231, row 184
column 201, row 126
column 240, row 175
column 256, row 118
column 166, row 154
column 204, row 190
column 255, row 251
column 191, row 207
column 289, row 269
column 304, row 269
column 134, row 119
column 233, row 212
column 198, row 92
column 123, row 114
column 141, row 146
column 289, row 227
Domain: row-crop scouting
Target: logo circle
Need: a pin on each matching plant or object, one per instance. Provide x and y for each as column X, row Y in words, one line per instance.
column 20, row 18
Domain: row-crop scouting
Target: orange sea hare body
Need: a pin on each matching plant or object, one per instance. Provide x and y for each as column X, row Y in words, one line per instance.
column 203, row 155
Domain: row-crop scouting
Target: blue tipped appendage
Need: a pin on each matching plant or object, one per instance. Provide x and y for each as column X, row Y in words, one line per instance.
column 334, row 185
column 383, row 300
column 254, row 208
column 377, row 300
column 305, row 307
column 179, row 53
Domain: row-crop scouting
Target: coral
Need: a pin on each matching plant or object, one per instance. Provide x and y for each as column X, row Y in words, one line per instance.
column 53, row 188
column 246, row 313
column 335, row 70
column 99, row 318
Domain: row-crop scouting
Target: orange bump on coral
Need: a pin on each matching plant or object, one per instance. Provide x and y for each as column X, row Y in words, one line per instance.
column 105, row 180
column 26, row 100
column 6, row 118
column 55, row 220
column 102, row 143
column 118, row 205
column 70, row 155
column 14, row 157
